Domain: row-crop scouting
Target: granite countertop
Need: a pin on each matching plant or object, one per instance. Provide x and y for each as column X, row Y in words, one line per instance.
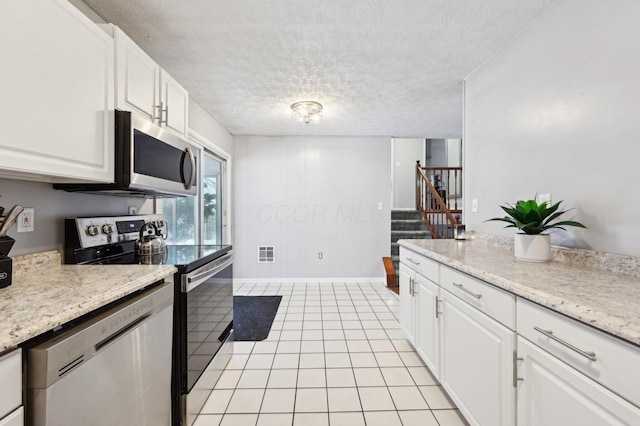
column 599, row 289
column 45, row 294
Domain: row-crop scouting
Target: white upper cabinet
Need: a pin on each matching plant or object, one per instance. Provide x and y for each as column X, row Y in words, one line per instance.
column 137, row 78
column 57, row 88
column 175, row 104
column 142, row 86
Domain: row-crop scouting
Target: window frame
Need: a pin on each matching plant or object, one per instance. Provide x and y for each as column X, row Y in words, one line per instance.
column 207, row 147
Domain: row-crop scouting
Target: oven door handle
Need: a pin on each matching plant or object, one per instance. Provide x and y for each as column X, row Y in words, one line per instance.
column 197, row 277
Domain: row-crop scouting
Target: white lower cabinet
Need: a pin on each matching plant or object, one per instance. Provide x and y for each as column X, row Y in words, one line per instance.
column 11, row 411
column 551, row 393
column 427, row 326
column 419, row 317
column 506, row 361
column 476, row 363
column 14, row 419
column 407, row 303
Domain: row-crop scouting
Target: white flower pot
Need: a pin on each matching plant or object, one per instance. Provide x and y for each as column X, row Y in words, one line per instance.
column 532, row 248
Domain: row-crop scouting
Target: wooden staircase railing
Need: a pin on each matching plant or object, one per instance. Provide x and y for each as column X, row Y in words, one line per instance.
column 438, row 198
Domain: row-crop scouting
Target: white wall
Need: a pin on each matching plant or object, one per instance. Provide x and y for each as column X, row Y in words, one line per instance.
column 52, row 206
column 405, row 154
column 209, row 128
column 558, row 111
column 306, row 195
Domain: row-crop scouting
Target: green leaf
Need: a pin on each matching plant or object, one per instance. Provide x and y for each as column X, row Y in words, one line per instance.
column 533, row 218
column 567, row 223
column 549, row 211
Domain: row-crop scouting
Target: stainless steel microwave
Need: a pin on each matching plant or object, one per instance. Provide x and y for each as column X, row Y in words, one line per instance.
column 150, row 162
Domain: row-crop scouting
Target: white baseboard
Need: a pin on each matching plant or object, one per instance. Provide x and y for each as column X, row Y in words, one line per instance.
column 376, row 280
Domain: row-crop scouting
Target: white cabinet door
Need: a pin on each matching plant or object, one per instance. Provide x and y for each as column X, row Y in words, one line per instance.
column 10, row 382
column 407, row 304
column 137, row 78
column 175, row 100
column 14, row 419
column 551, row 393
column 476, row 363
column 56, row 83
column 427, row 331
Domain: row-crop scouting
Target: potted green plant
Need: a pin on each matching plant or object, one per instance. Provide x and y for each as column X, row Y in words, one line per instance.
column 532, row 219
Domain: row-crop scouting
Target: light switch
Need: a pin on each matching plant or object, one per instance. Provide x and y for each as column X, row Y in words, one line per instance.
column 474, row 205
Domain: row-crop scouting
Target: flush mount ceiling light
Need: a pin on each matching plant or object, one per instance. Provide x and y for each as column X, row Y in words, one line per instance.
column 307, row 111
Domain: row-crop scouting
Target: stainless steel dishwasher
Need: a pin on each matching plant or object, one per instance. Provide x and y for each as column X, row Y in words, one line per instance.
column 112, row 370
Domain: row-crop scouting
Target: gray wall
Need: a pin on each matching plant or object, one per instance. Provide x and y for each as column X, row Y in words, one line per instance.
column 306, row 195
column 52, row 206
column 405, row 154
column 556, row 111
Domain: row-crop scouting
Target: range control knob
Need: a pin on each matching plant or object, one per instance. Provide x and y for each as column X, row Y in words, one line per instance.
column 93, row 230
column 107, row 229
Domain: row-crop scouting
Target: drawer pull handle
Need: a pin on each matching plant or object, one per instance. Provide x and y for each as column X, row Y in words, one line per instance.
column 549, row 333
column 413, row 261
column 466, row 290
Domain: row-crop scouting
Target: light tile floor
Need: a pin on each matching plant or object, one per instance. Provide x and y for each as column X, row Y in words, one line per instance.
column 335, row 356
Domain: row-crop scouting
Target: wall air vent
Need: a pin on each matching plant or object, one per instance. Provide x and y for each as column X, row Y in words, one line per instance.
column 266, row 254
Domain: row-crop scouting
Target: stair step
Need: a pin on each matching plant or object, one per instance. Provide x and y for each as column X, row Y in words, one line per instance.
column 407, row 225
column 405, row 215
column 409, row 235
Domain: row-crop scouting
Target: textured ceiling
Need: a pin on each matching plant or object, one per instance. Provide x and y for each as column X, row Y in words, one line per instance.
column 379, row 67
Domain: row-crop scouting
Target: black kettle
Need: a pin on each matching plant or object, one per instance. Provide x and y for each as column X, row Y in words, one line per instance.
column 151, row 247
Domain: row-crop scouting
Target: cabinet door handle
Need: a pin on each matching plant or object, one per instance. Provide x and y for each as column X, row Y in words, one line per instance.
column 438, row 307
column 466, row 290
column 158, row 115
column 516, row 379
column 549, row 333
column 161, row 109
column 413, row 261
column 411, row 286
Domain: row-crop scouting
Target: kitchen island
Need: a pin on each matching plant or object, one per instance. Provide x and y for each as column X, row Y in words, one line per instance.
column 519, row 343
column 46, row 294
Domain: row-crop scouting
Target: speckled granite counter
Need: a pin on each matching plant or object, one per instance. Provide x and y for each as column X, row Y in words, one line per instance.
column 46, row 294
column 600, row 289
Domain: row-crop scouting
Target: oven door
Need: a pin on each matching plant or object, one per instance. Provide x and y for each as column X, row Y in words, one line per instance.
column 204, row 331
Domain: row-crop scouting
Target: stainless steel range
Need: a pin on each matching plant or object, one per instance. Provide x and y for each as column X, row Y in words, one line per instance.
column 203, row 298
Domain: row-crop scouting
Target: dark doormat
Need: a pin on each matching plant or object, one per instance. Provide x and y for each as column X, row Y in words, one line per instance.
column 253, row 316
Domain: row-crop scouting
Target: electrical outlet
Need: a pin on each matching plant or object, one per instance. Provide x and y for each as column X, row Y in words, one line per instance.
column 25, row 220
column 474, row 205
column 133, row 210
column 380, row 205
column 320, row 255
